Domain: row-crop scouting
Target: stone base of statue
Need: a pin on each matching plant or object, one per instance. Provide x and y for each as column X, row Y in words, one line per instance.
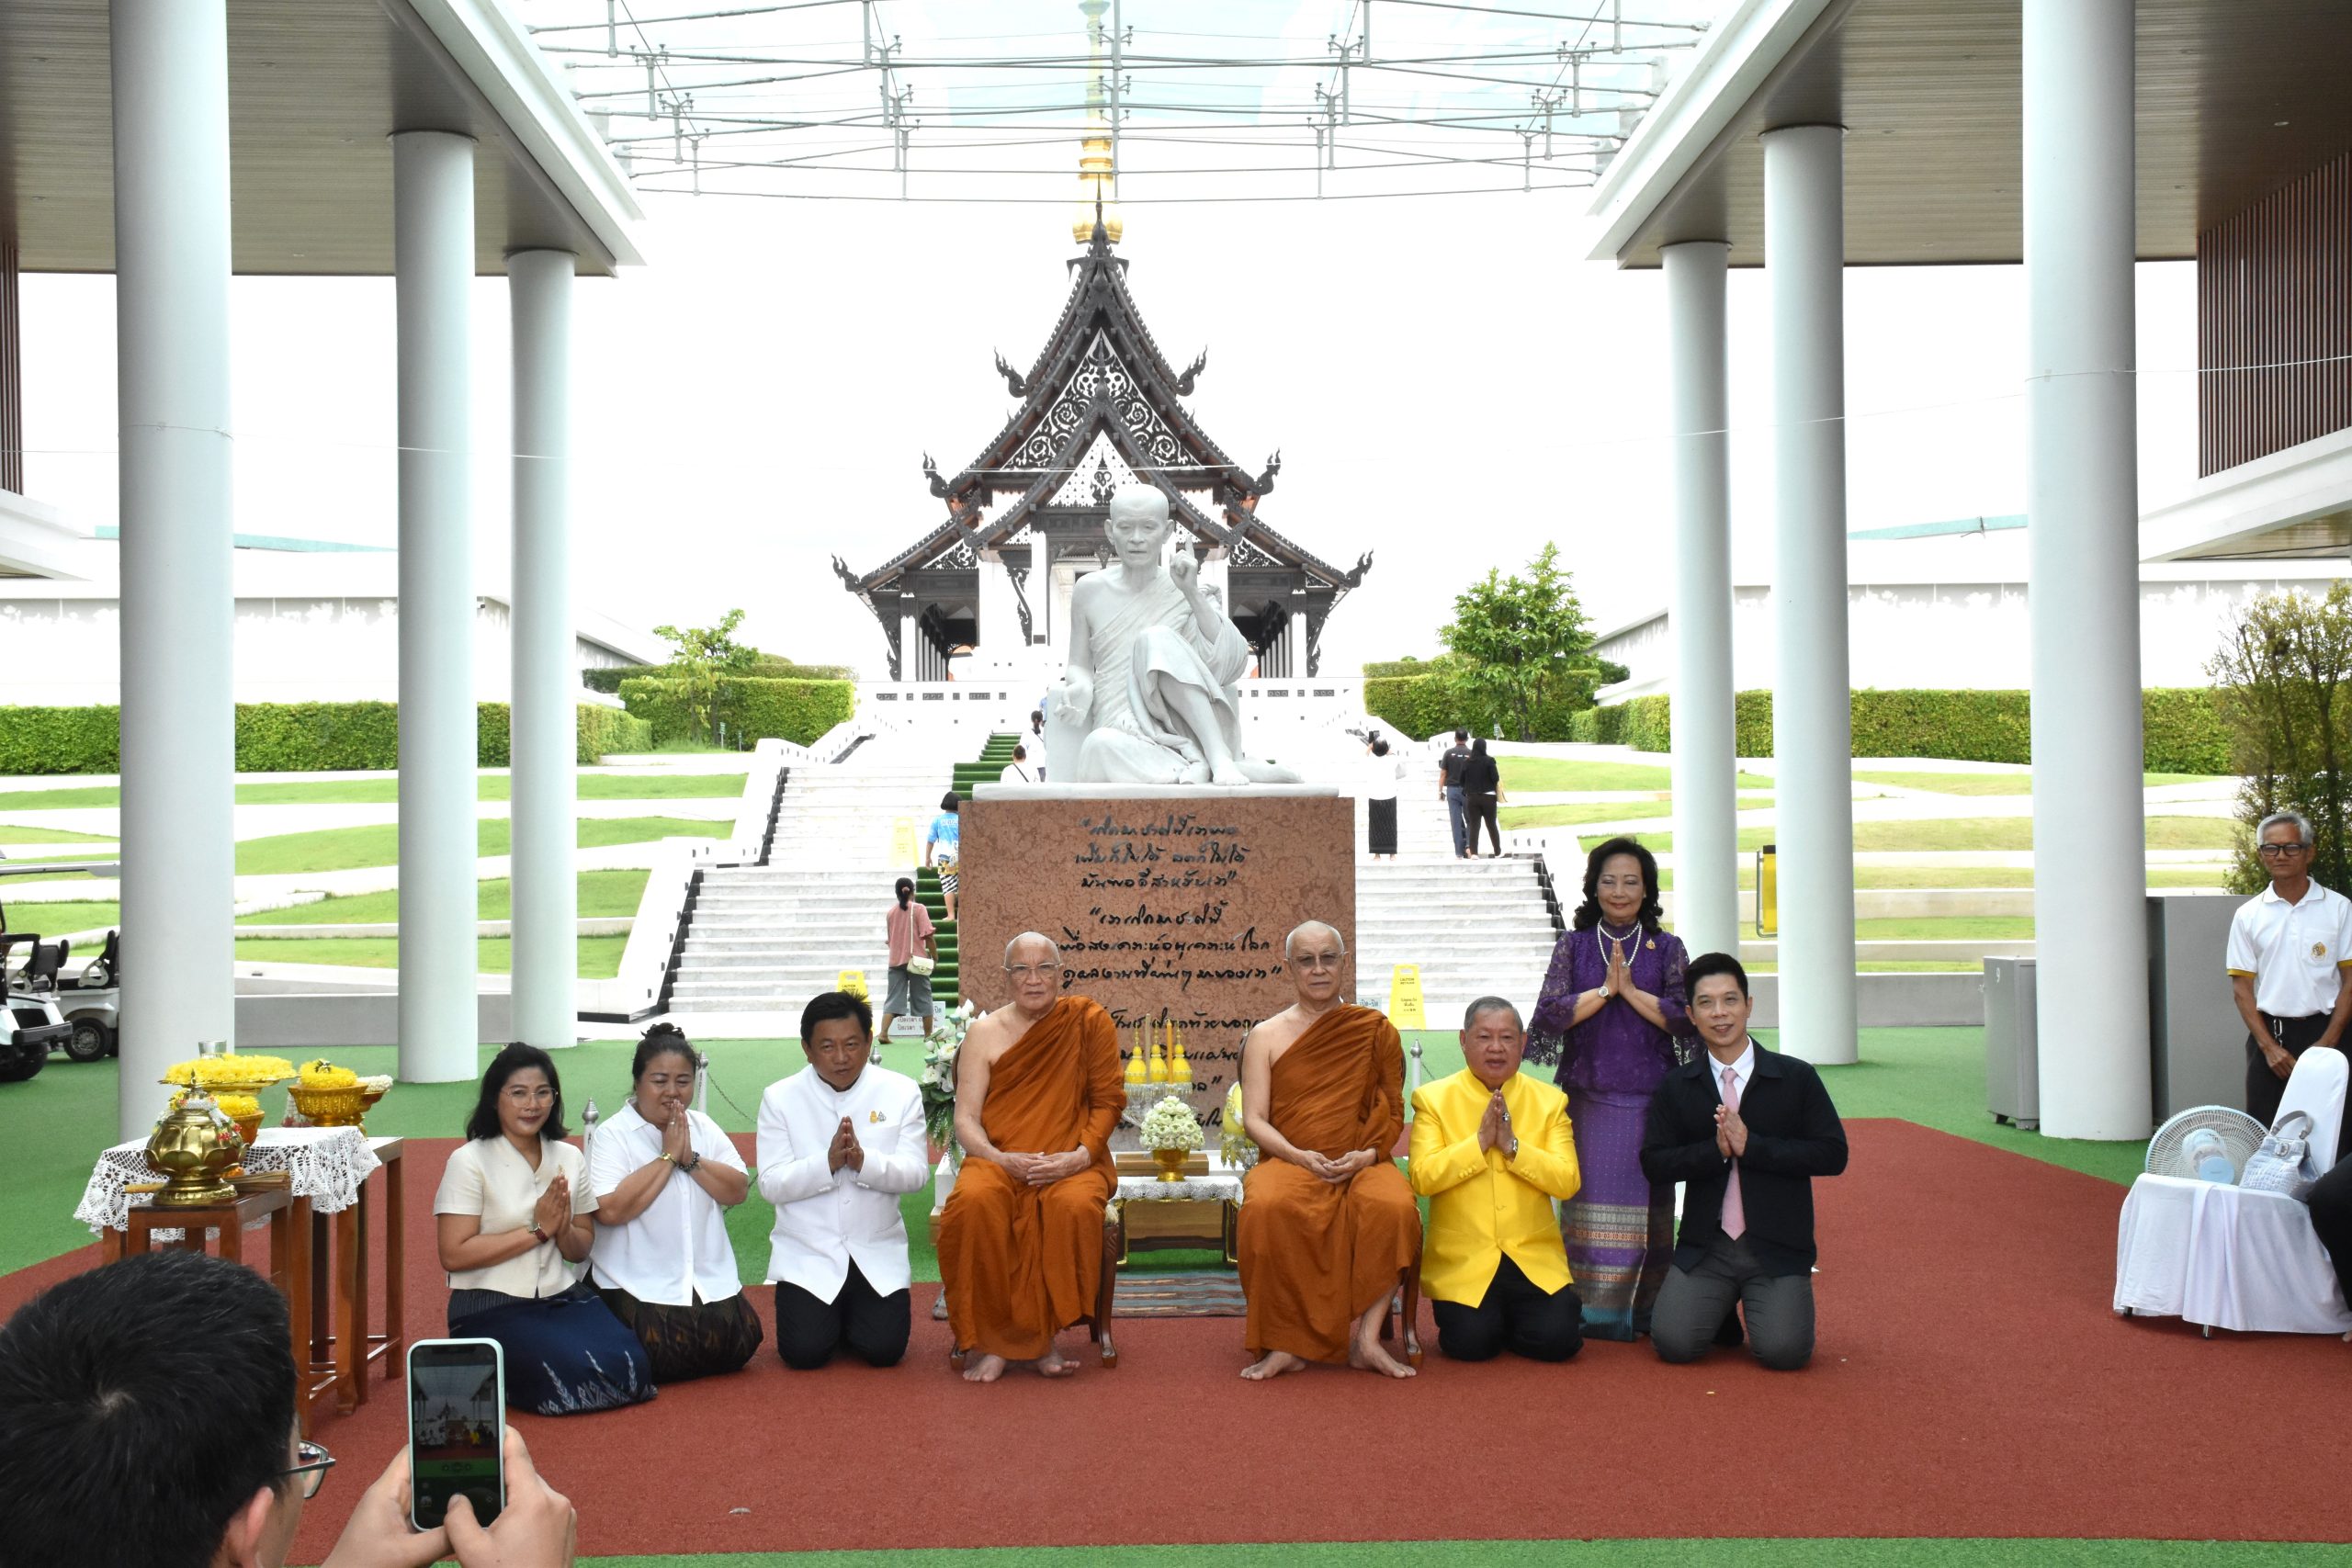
column 1170, row 905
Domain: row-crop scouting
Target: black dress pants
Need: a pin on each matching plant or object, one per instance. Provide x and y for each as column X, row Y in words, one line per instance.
column 1478, row 810
column 869, row 1326
column 2331, row 1205
column 2263, row 1086
column 1542, row 1325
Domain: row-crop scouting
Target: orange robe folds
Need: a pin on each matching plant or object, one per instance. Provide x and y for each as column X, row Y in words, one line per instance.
column 1315, row 1255
column 1020, row 1264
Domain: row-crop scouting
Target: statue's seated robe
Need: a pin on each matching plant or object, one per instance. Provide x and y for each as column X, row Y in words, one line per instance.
column 1315, row 1254
column 1020, row 1263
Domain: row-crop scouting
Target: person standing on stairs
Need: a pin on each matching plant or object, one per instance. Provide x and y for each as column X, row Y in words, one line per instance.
column 1018, row 771
column 940, row 847
column 1449, row 789
column 905, row 924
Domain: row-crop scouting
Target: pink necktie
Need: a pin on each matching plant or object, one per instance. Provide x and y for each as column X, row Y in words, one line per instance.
column 1734, row 1209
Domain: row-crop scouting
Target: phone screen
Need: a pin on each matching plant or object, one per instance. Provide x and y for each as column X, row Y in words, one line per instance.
column 457, row 1418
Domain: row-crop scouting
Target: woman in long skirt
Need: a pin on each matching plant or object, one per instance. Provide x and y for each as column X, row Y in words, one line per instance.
column 1610, row 1014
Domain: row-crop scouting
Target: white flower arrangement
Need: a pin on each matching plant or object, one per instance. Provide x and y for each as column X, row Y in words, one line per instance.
column 1235, row 1145
column 1170, row 1125
column 938, row 1076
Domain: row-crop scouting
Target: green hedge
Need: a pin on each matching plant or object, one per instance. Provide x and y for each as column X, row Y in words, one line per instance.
column 1414, row 705
column 753, row 708
column 2183, row 730
column 284, row 737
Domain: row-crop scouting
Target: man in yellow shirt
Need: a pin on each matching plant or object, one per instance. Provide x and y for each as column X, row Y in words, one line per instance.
column 1491, row 1148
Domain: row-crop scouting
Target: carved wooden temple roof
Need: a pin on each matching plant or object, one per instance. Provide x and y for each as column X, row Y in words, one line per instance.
column 1101, row 410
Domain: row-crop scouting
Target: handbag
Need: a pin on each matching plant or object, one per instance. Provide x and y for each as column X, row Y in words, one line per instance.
column 921, row 966
column 2283, row 1164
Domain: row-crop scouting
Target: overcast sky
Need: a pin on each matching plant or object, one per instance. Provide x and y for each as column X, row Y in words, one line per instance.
column 1449, row 382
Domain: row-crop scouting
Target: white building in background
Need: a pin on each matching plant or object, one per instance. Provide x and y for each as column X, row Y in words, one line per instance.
column 316, row 622
column 1942, row 605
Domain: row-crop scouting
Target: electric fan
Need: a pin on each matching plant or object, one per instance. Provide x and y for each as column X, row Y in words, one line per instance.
column 2196, row 1136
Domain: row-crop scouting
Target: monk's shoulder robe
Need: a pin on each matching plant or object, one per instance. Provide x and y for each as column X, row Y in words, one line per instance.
column 1314, row 1255
column 1020, row 1263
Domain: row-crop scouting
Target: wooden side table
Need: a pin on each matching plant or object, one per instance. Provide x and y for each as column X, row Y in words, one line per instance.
column 289, row 1247
column 342, row 1345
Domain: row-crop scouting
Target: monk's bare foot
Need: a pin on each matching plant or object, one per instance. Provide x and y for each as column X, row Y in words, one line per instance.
column 1231, row 774
column 988, row 1369
column 1367, row 1355
column 1052, row 1365
column 1274, row 1365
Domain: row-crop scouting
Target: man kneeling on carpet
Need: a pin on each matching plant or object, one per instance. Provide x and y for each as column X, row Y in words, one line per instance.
column 147, row 1420
column 840, row 1141
column 664, row 1176
column 1491, row 1149
column 1747, row 1130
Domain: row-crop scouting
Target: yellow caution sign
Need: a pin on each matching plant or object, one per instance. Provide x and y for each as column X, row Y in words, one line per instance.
column 1768, row 891
column 853, row 981
column 903, row 852
column 1405, row 1009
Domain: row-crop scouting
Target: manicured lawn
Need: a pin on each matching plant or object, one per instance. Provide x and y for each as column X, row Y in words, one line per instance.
column 75, row 914
column 601, row 893
column 1948, row 928
column 647, row 785
column 1564, row 772
column 600, row 956
column 1999, row 784
column 342, row 848
column 15, row 833
column 1950, row 833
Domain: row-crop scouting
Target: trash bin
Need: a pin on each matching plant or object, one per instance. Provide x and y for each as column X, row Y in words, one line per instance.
column 2012, row 1060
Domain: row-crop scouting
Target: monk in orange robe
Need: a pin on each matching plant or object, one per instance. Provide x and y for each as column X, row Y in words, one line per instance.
column 1328, row 1221
column 1038, row 1089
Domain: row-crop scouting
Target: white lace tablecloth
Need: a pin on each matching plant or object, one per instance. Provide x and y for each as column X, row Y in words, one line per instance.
column 1217, row 1186
column 328, row 1165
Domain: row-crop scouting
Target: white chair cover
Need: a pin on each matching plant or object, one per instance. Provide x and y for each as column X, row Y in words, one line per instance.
column 2235, row 1260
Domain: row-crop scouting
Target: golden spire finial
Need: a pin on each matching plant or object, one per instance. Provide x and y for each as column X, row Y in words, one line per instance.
column 1098, row 179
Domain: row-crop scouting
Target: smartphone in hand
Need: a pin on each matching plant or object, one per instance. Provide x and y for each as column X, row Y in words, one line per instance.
column 456, row 1428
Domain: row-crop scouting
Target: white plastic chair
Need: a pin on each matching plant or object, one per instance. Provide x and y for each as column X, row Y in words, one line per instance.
column 2226, row 1257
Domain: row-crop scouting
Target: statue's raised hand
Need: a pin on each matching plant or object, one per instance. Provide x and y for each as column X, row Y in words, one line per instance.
column 1183, row 570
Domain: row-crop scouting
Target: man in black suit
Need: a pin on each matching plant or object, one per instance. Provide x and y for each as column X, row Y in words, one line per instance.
column 1747, row 1130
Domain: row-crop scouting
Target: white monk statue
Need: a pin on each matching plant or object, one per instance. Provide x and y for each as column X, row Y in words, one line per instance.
column 1151, row 695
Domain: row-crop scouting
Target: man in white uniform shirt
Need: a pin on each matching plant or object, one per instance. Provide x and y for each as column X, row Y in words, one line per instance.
column 840, row 1142
column 2289, row 962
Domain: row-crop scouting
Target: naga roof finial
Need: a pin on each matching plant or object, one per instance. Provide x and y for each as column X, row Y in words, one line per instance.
column 1191, row 374
column 931, row 471
column 1012, row 380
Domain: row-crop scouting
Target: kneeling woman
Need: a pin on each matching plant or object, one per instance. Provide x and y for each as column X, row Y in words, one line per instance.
column 513, row 1227
column 664, row 1176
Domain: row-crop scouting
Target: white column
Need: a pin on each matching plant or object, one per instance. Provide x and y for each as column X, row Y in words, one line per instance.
column 1706, row 764
column 1000, row 647
column 1804, row 260
column 171, row 222
column 2082, row 507
column 544, row 746
column 433, row 263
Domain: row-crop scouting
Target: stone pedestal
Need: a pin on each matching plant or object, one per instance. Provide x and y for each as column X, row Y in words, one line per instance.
column 1169, row 903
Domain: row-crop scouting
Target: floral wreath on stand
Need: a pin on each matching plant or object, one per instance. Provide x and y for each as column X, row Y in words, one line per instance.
column 938, row 1079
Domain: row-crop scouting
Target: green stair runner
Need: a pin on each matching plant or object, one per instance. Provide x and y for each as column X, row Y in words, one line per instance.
column 991, row 762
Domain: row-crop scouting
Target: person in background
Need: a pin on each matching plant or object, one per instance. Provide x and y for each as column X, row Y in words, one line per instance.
column 1747, row 1130
column 840, row 1142
column 1036, row 741
column 1610, row 1015
column 905, row 925
column 1018, row 771
column 147, row 1420
column 1492, row 1148
column 1482, row 791
column 2290, row 963
column 941, row 847
column 514, row 1222
column 1449, row 789
column 664, row 1176
column 1382, row 773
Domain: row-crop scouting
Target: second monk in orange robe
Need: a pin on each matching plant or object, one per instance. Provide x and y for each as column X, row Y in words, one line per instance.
column 1328, row 1220
column 1038, row 1090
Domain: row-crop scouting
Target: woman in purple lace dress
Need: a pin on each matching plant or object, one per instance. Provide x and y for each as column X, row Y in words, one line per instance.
column 1610, row 1014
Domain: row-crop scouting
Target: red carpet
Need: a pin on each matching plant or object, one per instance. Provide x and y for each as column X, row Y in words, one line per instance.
column 1970, row 1382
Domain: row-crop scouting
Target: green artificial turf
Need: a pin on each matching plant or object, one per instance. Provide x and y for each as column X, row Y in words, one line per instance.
column 1841, row 1552
column 347, row 849
column 600, row 956
column 602, row 894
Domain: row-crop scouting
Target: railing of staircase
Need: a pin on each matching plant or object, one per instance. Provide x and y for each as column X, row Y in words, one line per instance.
column 776, row 811
column 1551, row 896
column 678, row 942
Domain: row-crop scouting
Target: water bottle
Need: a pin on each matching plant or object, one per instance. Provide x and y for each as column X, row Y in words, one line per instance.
column 2208, row 1157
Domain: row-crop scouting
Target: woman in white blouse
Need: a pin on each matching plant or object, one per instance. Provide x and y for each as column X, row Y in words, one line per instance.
column 663, row 1175
column 511, row 1219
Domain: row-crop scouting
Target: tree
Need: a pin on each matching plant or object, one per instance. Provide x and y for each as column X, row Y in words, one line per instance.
column 705, row 655
column 1519, row 641
column 2283, row 683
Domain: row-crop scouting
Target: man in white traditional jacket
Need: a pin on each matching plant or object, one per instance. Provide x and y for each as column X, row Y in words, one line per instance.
column 840, row 1142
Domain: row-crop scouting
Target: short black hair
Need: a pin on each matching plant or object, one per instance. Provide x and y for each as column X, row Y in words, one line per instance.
column 141, row 1405
column 1379, row 745
column 1708, row 964
column 1587, row 913
column 1460, row 735
column 483, row 1122
column 1019, row 751
column 661, row 1040
column 951, row 801
column 827, row 1005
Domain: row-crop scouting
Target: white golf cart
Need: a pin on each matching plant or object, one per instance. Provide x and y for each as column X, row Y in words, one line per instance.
column 55, row 1002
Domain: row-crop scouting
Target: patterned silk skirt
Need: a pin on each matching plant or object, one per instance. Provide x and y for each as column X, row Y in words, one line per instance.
column 564, row 1355
column 695, row 1341
column 1619, row 1233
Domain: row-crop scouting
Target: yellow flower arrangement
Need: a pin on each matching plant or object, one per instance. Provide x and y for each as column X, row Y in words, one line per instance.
column 324, row 1074
column 230, row 1069
column 235, row 1107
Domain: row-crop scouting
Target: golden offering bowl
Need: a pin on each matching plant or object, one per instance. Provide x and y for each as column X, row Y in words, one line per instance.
column 343, row 1106
column 192, row 1145
column 1170, row 1163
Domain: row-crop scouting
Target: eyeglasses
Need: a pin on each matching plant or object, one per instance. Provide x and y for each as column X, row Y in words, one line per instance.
column 1032, row 971
column 313, row 1462
column 1319, row 960
column 2276, row 852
